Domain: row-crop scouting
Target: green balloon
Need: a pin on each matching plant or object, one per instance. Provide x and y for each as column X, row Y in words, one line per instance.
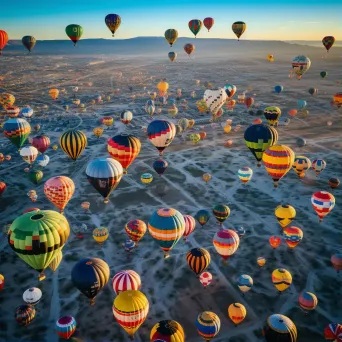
column 323, row 74
column 38, row 236
column 35, row 176
column 74, row 32
column 29, row 42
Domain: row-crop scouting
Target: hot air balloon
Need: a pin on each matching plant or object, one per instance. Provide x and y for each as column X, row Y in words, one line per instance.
column 56, row 261
column 334, row 182
column 333, row 332
column 54, row 92
column 126, row 280
column 221, row 212
column 161, row 134
column 35, row 176
column 74, row 32
column 6, row 99
column 278, row 89
column 2, row 282
column 249, row 102
column 135, row 230
column 195, row 26
column 171, row 36
column 190, row 225
column 108, row 121
column 323, row 74
column 59, row 191
column 300, row 64
column 29, row 42
column 285, row 214
column 307, row 301
column 24, row 314
column 278, row 160
column 129, row 245
column 258, row 138
column 206, row 177
column 206, row 279
column 195, row 138
column 65, row 327
column 130, row 309
column 279, row 328
column 245, row 174
column 215, row 98
column 41, row 143
column 189, row 49
column 90, row 275
column 113, row 22
column 104, row 174
column 226, row 243
column 318, row 165
column 160, row 166
column 17, row 131
column 323, row 203
column 261, row 261
column 208, row 23
column 239, row 27
column 3, row 40
column 146, row 178
column 202, row 106
column 230, row 90
column 126, row 117
column 172, row 56
column 293, row 235
column 237, row 313
column 100, row 235
column 202, row 216
column 274, row 241
column 168, row 330
column 98, row 131
column 301, row 164
column 245, row 283
column 73, row 142
column 32, row 296
column 124, row 148
column 29, row 154
column 313, row 91
column 328, row 42
column 208, row 325
column 281, row 279
column 336, row 260
column 272, row 115
column 198, row 259
column 167, row 227
column 162, row 86
column 270, row 58
column 38, row 236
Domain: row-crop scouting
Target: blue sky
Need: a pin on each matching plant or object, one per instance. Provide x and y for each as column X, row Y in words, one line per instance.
column 265, row 19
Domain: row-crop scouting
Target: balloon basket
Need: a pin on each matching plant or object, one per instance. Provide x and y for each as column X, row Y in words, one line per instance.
column 166, row 255
column 92, row 302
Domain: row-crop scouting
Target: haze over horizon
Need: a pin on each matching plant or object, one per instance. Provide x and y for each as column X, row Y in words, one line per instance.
column 287, row 20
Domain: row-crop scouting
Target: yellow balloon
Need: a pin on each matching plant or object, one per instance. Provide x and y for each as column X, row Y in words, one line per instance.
column 237, row 313
column 54, row 92
column 281, row 279
column 206, row 177
column 100, row 235
column 227, row 128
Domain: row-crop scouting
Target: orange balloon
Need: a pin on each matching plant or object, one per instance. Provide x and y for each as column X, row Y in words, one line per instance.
column 274, row 241
column 228, row 143
column 257, row 121
column 203, row 135
column 293, row 112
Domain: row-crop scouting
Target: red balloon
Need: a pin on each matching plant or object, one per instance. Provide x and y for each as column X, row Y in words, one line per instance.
column 2, row 187
column 249, row 101
column 3, row 40
column 274, row 241
column 41, row 143
column 208, row 23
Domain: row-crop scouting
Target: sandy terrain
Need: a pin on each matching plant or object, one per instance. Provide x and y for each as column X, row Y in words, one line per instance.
column 172, row 289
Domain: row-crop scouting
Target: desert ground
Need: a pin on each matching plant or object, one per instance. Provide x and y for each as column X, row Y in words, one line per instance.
column 173, row 290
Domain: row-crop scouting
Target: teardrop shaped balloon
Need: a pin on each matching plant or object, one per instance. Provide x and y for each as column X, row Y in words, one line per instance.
column 171, row 36
column 74, row 32
column 29, row 42
column 189, row 49
column 239, row 27
column 195, row 26
column 17, row 131
column 73, row 142
column 208, row 23
column 328, row 42
column 3, row 40
column 113, row 22
column 172, row 56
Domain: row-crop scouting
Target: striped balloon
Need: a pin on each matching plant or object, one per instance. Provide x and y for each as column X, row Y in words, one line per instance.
column 135, row 230
column 226, row 243
column 56, row 261
column 278, row 160
column 245, row 283
column 195, row 26
column 323, row 203
column 166, row 226
column 280, row 328
column 301, row 164
column 167, row 331
column 198, row 259
column 293, row 235
column 126, row 117
column 126, row 280
column 65, row 327
column 73, row 142
column 29, row 154
column 272, row 115
column 318, row 165
column 171, row 36
column 130, row 309
column 108, row 121
column 124, row 148
column 245, row 174
column 59, row 191
column 307, row 301
column 24, row 314
column 206, row 278
column 190, row 225
column 161, row 134
column 208, row 325
column 221, row 212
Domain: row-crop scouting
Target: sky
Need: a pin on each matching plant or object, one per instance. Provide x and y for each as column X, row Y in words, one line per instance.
column 265, row 19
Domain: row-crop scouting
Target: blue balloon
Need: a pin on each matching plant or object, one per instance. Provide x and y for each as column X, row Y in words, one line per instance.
column 301, row 104
column 160, row 166
column 278, row 89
